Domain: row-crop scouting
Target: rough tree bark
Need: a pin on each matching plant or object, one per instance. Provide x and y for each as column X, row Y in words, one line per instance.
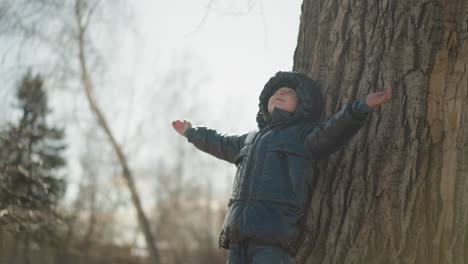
column 398, row 192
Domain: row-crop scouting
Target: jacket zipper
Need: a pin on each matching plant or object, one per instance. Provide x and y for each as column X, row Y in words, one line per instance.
column 247, row 179
column 250, row 175
column 246, row 190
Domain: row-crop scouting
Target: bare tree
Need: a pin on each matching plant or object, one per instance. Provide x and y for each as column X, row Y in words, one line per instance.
column 184, row 213
column 398, row 193
column 91, row 222
column 76, row 29
column 83, row 15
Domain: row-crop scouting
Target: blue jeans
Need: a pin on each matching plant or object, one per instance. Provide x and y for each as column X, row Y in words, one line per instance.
column 252, row 253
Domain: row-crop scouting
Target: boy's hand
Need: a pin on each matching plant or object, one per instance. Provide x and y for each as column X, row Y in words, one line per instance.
column 181, row 125
column 376, row 99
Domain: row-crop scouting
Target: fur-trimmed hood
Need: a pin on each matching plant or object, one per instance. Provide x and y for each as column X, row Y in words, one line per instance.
column 310, row 98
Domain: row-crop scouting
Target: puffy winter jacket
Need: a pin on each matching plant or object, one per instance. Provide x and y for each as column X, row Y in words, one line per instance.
column 275, row 163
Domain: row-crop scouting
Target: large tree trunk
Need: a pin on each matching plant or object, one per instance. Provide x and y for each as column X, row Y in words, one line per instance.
column 398, row 192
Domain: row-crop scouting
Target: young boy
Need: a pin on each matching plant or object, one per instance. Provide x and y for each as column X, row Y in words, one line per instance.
column 270, row 196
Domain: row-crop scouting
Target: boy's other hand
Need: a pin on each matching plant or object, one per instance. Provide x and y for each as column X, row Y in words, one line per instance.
column 376, row 99
column 181, row 125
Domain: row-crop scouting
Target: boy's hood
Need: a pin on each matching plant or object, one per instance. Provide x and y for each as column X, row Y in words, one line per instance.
column 310, row 98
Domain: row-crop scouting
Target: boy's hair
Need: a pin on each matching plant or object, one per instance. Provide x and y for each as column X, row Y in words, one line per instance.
column 308, row 91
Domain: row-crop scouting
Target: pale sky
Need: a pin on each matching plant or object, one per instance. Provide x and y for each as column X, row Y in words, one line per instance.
column 233, row 48
column 236, row 46
column 239, row 47
column 230, row 49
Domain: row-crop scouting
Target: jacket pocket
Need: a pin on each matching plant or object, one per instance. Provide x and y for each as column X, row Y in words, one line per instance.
column 242, row 154
column 287, row 149
column 292, row 160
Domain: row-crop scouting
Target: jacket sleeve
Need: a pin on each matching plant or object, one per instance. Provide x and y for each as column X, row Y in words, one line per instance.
column 328, row 136
column 222, row 146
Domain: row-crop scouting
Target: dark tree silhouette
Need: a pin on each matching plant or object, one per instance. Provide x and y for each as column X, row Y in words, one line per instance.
column 30, row 154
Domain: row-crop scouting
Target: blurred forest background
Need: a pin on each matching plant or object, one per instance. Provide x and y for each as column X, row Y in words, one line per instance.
column 90, row 168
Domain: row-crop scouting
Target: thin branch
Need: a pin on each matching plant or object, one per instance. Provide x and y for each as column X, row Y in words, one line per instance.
column 91, row 12
column 265, row 29
column 223, row 12
column 205, row 16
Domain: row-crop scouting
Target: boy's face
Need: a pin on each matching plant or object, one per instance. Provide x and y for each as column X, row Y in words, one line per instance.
column 284, row 98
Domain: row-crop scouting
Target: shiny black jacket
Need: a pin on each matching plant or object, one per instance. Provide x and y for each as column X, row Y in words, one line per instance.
column 275, row 163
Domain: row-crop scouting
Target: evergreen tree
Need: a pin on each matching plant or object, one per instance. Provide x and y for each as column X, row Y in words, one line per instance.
column 30, row 154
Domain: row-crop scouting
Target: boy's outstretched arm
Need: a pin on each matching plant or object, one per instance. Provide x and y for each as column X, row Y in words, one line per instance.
column 222, row 146
column 328, row 136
